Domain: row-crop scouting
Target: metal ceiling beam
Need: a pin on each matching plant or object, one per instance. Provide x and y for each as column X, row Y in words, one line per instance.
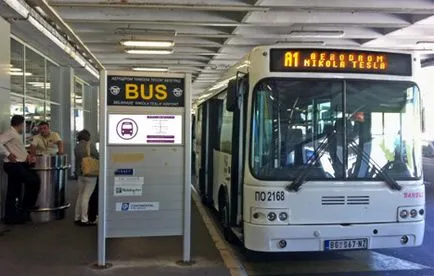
column 232, row 24
column 203, row 7
column 151, row 22
column 52, row 14
column 305, row 6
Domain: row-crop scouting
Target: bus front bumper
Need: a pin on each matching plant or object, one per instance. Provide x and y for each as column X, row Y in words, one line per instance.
column 271, row 238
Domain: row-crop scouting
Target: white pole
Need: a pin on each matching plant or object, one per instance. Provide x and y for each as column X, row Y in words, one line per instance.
column 102, row 185
column 187, row 170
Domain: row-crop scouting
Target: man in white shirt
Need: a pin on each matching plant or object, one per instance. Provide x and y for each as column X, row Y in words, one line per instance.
column 17, row 165
column 47, row 142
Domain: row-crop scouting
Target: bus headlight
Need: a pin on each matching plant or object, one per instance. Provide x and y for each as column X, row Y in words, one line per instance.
column 283, row 216
column 269, row 216
column 411, row 213
column 403, row 214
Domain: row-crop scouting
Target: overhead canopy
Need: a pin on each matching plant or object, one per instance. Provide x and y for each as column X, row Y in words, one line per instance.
column 211, row 35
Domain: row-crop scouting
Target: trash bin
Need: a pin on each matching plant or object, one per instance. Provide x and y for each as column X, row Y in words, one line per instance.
column 53, row 173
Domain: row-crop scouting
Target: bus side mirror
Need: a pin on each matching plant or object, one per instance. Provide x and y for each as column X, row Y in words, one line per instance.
column 232, row 95
column 423, row 120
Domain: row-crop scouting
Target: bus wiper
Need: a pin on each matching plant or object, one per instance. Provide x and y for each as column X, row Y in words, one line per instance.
column 316, row 155
column 386, row 176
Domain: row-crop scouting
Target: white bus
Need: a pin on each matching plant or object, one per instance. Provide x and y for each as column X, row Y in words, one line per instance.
column 302, row 149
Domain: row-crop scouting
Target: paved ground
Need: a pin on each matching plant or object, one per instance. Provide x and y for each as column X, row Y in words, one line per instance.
column 62, row 249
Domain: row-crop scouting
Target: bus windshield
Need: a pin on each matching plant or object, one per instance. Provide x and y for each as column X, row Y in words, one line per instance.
column 353, row 129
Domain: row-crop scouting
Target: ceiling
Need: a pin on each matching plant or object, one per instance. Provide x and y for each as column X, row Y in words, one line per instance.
column 211, row 35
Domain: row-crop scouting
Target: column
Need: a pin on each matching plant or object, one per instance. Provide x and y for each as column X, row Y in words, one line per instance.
column 93, row 124
column 62, row 86
column 5, row 83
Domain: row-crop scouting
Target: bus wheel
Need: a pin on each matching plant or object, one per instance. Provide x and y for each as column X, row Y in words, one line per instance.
column 224, row 217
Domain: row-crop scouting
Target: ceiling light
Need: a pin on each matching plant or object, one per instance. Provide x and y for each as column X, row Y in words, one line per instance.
column 426, row 44
column 307, row 43
column 151, row 44
column 151, row 69
column 149, row 52
column 330, row 33
column 39, row 84
column 19, row 73
column 15, row 69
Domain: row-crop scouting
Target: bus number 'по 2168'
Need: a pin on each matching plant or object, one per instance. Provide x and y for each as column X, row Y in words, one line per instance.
column 270, row 196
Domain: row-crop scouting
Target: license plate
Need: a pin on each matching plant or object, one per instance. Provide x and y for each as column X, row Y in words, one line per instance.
column 330, row 245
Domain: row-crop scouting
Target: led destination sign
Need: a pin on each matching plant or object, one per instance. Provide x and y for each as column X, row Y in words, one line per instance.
column 344, row 61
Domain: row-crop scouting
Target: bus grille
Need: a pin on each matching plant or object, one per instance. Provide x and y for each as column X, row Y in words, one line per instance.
column 358, row 200
column 333, row 200
column 345, row 200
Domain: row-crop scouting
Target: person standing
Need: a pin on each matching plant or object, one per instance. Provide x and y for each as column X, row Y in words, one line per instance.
column 17, row 165
column 86, row 184
column 47, row 142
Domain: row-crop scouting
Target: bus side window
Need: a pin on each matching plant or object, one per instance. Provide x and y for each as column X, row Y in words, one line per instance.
column 226, row 131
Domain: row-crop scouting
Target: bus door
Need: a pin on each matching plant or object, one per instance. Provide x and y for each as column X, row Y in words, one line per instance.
column 210, row 124
column 238, row 151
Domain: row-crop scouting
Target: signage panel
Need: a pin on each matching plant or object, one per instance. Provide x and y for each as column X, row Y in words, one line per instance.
column 342, row 61
column 145, row 91
column 145, row 163
column 133, row 129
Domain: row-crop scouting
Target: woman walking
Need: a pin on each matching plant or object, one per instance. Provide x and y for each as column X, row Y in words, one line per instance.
column 86, row 184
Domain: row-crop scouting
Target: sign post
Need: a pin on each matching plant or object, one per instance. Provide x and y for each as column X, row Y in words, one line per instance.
column 145, row 157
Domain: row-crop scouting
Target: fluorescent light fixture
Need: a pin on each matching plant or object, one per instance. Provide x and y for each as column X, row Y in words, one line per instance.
column 15, row 69
column 20, row 74
column 151, row 44
column 302, row 42
column 149, row 52
column 40, row 84
column 18, row 7
column 426, row 44
column 319, row 33
column 151, row 69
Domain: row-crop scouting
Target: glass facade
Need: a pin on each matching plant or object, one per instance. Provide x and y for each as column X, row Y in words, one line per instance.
column 34, row 80
column 31, row 87
column 77, row 100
